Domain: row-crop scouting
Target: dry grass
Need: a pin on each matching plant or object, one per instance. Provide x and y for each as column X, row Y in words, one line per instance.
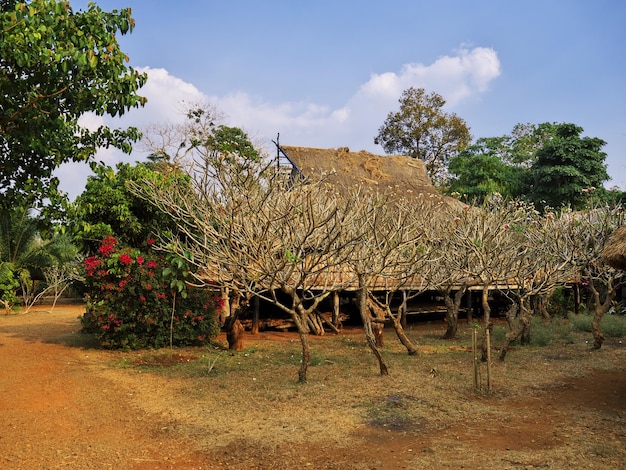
column 556, row 406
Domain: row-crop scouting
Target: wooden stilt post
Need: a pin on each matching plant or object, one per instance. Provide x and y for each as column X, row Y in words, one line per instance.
column 255, row 315
column 404, row 310
column 335, row 319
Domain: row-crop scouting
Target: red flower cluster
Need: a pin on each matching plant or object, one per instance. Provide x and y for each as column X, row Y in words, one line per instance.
column 91, row 264
column 107, row 245
column 126, row 259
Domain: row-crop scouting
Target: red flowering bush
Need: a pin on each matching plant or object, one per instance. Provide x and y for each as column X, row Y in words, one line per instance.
column 130, row 304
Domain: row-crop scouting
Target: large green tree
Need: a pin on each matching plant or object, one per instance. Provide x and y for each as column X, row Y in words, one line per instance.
column 521, row 146
column 567, row 167
column 482, row 169
column 57, row 64
column 421, row 129
column 108, row 207
column 550, row 164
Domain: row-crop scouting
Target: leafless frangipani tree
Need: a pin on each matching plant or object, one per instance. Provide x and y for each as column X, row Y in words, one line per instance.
column 585, row 235
column 539, row 261
column 258, row 233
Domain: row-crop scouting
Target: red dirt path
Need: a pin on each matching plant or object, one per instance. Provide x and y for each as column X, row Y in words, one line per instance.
column 58, row 412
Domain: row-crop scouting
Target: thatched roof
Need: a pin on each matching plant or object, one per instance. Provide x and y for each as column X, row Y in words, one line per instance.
column 404, row 175
column 614, row 254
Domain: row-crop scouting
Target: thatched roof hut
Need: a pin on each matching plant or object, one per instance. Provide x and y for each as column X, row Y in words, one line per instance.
column 403, row 175
column 614, row 254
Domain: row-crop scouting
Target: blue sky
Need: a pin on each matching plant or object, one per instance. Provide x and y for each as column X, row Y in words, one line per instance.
column 327, row 73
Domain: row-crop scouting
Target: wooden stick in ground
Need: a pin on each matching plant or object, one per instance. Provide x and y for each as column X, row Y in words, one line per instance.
column 474, row 361
column 488, row 360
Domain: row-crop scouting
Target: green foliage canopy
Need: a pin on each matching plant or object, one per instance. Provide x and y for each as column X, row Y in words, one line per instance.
column 421, row 129
column 55, row 65
column 566, row 167
column 107, row 206
column 481, row 170
column 498, row 164
column 549, row 164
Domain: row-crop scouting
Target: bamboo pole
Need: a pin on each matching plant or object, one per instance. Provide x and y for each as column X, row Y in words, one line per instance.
column 488, row 359
column 475, row 362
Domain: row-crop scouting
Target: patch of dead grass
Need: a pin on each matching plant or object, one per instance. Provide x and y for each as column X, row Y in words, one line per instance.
column 250, row 404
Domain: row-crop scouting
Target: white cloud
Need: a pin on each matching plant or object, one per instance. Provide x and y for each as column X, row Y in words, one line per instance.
column 456, row 77
column 460, row 77
column 165, row 95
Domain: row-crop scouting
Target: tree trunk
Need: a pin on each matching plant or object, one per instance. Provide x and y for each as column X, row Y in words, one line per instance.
column 306, row 357
column 396, row 321
column 406, row 342
column 525, row 315
column 576, row 298
column 233, row 327
column 453, row 305
column 600, row 308
column 470, row 307
column 525, row 337
column 403, row 311
column 234, row 336
column 378, row 327
column 369, row 334
column 511, row 314
column 598, row 337
column 225, row 312
column 542, row 306
column 299, row 319
column 382, row 313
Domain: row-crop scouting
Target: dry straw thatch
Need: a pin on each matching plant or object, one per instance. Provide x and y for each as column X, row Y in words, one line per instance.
column 403, row 175
column 614, row 254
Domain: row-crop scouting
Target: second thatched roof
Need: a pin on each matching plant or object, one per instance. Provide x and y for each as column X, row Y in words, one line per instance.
column 614, row 254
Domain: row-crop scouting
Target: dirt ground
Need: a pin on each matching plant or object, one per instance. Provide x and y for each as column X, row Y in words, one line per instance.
column 67, row 404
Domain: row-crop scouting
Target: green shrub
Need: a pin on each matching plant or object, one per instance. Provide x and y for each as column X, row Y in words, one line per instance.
column 8, row 285
column 499, row 332
column 131, row 306
column 541, row 333
column 581, row 322
column 544, row 333
column 561, row 302
column 612, row 326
